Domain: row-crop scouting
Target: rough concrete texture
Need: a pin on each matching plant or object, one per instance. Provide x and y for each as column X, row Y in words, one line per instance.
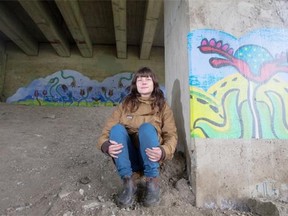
column 268, row 208
column 238, row 17
column 231, row 171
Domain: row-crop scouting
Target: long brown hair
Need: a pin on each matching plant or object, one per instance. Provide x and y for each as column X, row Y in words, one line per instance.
column 131, row 102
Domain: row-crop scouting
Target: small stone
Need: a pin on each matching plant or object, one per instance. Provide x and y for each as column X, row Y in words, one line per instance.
column 50, row 116
column 81, row 191
column 63, row 194
column 91, row 205
column 68, row 213
column 100, row 198
column 38, row 135
column 85, row 180
column 25, row 206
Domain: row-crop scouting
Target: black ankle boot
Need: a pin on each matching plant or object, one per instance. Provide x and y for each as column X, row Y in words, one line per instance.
column 126, row 197
column 152, row 196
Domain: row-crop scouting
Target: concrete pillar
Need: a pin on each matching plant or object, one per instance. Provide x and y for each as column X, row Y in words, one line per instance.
column 176, row 28
column 224, row 173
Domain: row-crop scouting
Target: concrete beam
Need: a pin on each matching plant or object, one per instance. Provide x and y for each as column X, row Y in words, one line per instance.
column 120, row 26
column 13, row 29
column 44, row 20
column 153, row 12
column 70, row 10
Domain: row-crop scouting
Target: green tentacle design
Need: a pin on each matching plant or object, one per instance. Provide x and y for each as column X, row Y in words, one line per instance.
column 262, row 114
column 120, row 85
column 246, row 120
column 73, row 83
column 104, row 90
column 39, row 102
column 52, row 86
column 230, row 127
column 36, row 94
column 89, row 89
column 265, row 120
column 203, row 105
column 61, row 96
column 279, row 115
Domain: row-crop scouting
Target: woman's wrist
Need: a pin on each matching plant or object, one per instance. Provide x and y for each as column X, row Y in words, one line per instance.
column 163, row 154
column 105, row 147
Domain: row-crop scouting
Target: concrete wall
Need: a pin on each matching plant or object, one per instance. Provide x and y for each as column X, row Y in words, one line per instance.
column 238, row 17
column 224, row 172
column 21, row 69
column 231, row 171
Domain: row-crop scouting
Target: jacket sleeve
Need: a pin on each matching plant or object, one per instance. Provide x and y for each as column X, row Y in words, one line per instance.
column 110, row 122
column 168, row 133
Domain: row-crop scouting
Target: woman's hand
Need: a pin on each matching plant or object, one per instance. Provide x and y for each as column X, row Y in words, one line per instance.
column 154, row 154
column 114, row 149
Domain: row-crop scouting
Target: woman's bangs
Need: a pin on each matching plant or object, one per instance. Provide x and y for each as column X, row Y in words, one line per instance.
column 144, row 74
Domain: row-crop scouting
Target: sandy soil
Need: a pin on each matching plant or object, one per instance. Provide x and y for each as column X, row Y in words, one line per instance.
column 49, row 165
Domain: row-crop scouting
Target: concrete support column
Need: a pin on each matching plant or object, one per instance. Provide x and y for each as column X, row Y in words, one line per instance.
column 224, row 173
column 176, row 28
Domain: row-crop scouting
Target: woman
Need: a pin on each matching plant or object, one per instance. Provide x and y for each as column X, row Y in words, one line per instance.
column 139, row 135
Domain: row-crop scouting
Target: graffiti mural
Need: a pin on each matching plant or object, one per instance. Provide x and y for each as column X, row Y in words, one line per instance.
column 71, row 88
column 239, row 87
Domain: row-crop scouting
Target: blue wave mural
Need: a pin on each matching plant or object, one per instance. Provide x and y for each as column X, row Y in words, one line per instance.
column 71, row 88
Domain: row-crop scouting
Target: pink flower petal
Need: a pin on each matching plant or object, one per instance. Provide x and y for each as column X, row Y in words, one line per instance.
column 219, row 44
column 212, row 42
column 225, row 47
column 204, row 42
column 230, row 51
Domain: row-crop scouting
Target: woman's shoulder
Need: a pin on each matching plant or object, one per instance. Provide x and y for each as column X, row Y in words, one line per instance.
column 166, row 107
column 120, row 106
column 166, row 104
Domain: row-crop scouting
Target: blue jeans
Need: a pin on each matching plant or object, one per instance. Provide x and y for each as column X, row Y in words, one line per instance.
column 132, row 158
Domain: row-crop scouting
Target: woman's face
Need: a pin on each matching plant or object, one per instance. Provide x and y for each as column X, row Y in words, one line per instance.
column 145, row 86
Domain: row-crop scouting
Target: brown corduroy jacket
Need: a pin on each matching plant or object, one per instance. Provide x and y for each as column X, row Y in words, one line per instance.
column 162, row 120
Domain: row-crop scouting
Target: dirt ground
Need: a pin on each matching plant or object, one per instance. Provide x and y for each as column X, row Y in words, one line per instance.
column 49, row 165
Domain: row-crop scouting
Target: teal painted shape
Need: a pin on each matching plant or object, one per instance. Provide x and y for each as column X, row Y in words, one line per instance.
column 254, row 55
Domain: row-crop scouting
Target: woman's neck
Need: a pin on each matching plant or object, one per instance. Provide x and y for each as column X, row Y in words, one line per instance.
column 145, row 96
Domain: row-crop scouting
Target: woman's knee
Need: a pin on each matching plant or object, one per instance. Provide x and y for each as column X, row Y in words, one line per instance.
column 118, row 128
column 148, row 135
column 146, row 127
column 118, row 133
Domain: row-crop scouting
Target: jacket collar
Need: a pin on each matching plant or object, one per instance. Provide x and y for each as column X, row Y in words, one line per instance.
column 146, row 100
